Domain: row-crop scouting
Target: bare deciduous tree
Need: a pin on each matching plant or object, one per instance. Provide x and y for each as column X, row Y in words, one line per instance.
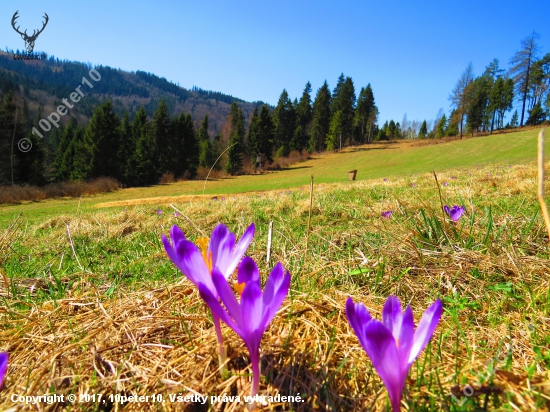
column 522, row 64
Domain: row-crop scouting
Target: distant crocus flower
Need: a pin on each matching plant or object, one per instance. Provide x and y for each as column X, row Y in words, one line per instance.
column 453, row 177
column 455, row 212
column 385, row 180
column 250, row 317
column 412, row 184
column 387, row 214
column 3, row 366
column 218, row 252
column 445, row 184
column 176, row 214
column 159, row 212
column 393, row 345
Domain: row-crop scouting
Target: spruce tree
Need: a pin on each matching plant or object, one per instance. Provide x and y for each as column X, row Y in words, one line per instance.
column 363, row 113
column 423, row 132
column 284, row 119
column 126, row 149
column 62, row 164
column 304, row 116
column 191, row 145
column 207, row 155
column 144, row 162
column 343, row 100
column 441, row 127
column 101, row 139
column 321, row 119
column 160, row 133
column 266, row 130
column 236, row 141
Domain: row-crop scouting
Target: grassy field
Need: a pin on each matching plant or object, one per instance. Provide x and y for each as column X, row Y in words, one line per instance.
column 91, row 304
column 375, row 161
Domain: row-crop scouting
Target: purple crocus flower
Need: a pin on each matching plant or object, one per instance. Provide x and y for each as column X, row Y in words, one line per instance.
column 445, row 184
column 387, row 214
column 176, row 214
column 412, row 184
column 455, row 212
column 159, row 212
column 218, row 252
column 250, row 317
column 393, row 345
column 3, row 366
column 385, row 180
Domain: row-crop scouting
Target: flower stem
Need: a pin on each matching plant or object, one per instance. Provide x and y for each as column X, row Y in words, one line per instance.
column 222, row 352
column 255, row 363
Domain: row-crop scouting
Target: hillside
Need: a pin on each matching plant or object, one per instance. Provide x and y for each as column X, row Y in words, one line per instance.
column 407, row 160
column 45, row 82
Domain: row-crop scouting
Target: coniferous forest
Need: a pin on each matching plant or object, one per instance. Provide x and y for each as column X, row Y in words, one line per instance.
column 136, row 132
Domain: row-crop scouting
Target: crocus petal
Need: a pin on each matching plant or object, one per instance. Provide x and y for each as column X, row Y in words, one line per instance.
column 425, row 329
column 406, row 339
column 275, row 292
column 192, row 265
column 382, row 351
column 252, row 308
column 358, row 317
column 217, row 309
column 170, row 251
column 392, row 317
column 221, row 244
column 3, row 366
column 227, row 296
column 273, row 282
column 447, row 210
column 248, row 271
column 240, row 249
column 176, row 234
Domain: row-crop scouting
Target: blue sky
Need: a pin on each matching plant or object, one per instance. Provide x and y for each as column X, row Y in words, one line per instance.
column 411, row 52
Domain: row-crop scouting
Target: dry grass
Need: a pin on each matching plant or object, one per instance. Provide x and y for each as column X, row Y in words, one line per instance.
column 19, row 194
column 119, row 330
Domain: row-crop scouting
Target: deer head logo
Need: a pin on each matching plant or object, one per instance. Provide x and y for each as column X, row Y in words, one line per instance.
column 29, row 40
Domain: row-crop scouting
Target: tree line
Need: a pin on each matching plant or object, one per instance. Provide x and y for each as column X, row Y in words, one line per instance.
column 139, row 151
column 480, row 104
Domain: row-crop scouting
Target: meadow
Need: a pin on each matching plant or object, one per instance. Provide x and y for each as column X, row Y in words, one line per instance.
column 91, row 304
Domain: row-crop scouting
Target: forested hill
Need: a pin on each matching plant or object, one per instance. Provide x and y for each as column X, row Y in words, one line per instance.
column 45, row 82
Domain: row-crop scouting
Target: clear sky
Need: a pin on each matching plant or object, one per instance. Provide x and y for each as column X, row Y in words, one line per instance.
column 411, row 52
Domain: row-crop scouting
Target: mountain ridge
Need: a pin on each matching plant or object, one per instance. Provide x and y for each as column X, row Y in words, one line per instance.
column 43, row 83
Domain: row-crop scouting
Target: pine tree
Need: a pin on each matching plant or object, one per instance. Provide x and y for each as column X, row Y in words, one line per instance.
column 343, row 100
column 126, row 149
column 101, row 139
column 236, row 141
column 304, row 116
column 63, row 159
column 536, row 115
column 423, row 132
column 190, row 144
column 477, row 108
column 515, row 119
column 160, row 132
column 284, row 120
column 321, row 119
column 461, row 95
column 441, row 127
column 254, row 134
column 334, row 137
column 363, row 113
column 522, row 63
column 144, row 162
column 207, row 156
column 266, row 130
